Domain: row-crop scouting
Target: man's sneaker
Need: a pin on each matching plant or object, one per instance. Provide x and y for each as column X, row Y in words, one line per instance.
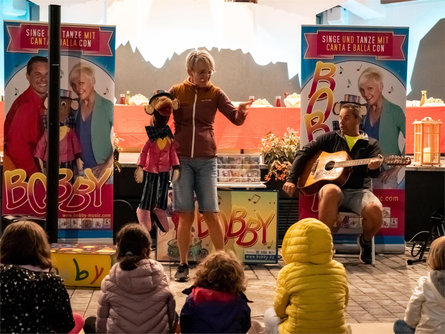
column 182, row 274
column 365, row 250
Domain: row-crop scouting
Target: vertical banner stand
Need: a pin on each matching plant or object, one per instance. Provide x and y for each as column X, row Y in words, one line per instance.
column 52, row 183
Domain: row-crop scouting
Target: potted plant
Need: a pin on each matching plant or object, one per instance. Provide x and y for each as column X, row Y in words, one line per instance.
column 278, row 154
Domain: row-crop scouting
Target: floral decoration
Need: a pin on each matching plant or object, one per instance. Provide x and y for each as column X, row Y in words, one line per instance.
column 279, row 153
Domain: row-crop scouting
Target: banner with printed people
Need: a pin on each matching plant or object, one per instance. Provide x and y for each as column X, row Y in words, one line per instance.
column 365, row 66
column 86, row 111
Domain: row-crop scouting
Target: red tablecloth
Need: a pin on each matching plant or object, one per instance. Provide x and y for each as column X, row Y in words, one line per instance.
column 130, row 122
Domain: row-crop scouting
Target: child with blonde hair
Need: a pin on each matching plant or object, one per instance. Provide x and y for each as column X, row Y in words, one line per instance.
column 425, row 312
column 33, row 298
column 135, row 296
column 216, row 302
column 312, row 289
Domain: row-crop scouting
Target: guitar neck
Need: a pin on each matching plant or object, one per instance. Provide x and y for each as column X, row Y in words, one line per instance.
column 389, row 160
column 352, row 163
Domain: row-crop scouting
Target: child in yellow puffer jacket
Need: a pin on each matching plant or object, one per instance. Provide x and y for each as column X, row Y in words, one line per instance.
column 312, row 289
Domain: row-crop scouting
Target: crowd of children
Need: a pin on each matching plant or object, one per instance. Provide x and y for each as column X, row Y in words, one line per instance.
column 311, row 293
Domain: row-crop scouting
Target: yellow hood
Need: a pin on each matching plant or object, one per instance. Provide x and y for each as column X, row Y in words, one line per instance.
column 307, row 241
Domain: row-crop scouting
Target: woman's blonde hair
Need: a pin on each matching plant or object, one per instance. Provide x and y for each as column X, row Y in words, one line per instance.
column 196, row 55
column 221, row 271
column 370, row 73
column 25, row 243
column 436, row 256
column 81, row 68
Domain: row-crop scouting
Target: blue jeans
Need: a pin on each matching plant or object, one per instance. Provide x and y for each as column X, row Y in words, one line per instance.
column 197, row 176
column 401, row 327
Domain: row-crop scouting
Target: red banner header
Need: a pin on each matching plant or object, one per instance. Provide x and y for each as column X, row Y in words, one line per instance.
column 34, row 37
column 327, row 44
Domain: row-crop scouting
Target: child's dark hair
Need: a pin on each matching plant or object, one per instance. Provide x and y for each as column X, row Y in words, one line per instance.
column 221, row 271
column 133, row 245
column 25, row 242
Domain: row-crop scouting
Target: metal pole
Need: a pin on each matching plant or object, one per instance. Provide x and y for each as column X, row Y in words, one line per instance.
column 52, row 183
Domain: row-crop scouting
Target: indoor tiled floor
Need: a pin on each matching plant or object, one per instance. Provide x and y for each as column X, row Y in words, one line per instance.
column 378, row 294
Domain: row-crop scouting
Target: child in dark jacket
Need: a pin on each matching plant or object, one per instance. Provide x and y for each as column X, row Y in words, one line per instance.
column 33, row 299
column 216, row 302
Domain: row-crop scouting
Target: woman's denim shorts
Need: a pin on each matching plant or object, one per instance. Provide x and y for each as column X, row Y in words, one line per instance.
column 197, row 177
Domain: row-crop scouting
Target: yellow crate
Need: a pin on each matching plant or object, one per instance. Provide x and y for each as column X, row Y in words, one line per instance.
column 82, row 265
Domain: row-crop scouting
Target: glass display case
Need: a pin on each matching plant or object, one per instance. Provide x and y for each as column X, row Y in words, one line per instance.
column 242, row 168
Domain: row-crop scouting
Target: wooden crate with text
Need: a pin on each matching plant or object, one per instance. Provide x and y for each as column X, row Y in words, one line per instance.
column 82, row 265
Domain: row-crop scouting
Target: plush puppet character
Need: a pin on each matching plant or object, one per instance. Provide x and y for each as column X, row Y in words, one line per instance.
column 69, row 145
column 158, row 157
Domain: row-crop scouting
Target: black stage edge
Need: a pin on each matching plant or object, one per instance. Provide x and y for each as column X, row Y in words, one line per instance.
column 52, row 182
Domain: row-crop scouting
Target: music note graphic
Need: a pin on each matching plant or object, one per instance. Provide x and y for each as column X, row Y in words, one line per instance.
column 360, row 67
column 349, row 84
column 106, row 91
column 341, row 70
column 255, row 198
column 391, row 90
column 61, row 74
column 16, row 91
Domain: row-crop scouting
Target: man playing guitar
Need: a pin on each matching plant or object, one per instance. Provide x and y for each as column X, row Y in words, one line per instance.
column 356, row 194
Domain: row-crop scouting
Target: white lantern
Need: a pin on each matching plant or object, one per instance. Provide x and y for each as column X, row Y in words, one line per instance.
column 427, row 141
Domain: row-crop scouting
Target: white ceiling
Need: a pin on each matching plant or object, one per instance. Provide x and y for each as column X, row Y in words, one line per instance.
column 270, row 30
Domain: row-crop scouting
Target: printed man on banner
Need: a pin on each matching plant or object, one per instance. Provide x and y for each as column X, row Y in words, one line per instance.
column 23, row 123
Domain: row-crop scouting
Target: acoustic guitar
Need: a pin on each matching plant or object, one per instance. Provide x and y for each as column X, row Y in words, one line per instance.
column 335, row 168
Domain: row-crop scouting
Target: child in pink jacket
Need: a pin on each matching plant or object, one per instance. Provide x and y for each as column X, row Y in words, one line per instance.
column 135, row 296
